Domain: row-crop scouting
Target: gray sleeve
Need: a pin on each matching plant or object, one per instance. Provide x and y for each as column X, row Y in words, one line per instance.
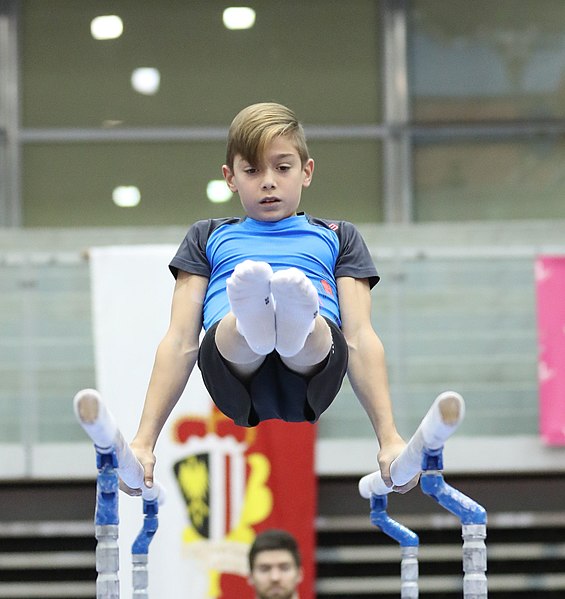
column 354, row 258
column 191, row 255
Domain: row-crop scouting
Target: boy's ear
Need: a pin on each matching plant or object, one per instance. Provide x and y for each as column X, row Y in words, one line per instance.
column 308, row 170
column 228, row 176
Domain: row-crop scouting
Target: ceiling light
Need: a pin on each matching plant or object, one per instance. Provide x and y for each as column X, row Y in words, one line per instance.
column 109, row 123
column 146, row 81
column 126, row 196
column 239, row 17
column 106, row 27
column 218, row 192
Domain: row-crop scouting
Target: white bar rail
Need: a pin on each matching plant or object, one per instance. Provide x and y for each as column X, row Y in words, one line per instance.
column 101, row 427
column 441, row 421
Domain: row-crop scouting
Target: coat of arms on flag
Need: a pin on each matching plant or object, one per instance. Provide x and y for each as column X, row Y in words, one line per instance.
column 228, row 483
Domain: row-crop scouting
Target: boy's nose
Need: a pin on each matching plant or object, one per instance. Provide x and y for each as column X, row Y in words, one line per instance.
column 268, row 180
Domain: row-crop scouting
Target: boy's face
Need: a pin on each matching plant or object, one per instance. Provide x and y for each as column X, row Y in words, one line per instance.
column 275, row 575
column 270, row 191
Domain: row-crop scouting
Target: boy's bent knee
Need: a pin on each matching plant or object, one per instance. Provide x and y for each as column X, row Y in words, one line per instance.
column 232, row 345
column 312, row 356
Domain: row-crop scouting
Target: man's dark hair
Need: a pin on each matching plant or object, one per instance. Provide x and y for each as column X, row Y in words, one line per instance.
column 272, row 540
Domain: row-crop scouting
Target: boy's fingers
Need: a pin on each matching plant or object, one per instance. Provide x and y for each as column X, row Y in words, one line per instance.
column 408, row 486
column 128, row 490
column 148, row 475
column 384, row 468
column 386, row 478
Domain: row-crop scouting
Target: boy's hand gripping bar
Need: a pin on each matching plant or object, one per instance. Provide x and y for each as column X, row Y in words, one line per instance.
column 441, row 421
column 101, row 427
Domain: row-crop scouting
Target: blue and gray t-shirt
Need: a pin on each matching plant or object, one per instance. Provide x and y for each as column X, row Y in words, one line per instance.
column 322, row 249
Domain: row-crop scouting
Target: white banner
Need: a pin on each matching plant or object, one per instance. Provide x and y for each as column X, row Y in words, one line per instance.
column 131, row 298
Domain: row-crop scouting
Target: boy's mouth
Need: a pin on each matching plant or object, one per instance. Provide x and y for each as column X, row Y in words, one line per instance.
column 269, row 200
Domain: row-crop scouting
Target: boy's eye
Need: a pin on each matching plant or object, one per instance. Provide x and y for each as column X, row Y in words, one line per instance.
column 250, row 170
column 284, row 167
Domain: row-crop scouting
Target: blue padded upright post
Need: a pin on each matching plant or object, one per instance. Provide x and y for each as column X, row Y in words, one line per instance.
column 115, row 461
column 140, row 549
column 406, row 538
column 106, row 527
column 473, row 518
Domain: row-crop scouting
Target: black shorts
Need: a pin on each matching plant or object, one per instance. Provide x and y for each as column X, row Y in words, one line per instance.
column 274, row 391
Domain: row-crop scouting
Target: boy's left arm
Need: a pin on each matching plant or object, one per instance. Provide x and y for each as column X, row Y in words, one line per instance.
column 367, row 371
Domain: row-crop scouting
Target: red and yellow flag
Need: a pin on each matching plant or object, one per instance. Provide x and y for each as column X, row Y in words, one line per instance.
column 237, row 482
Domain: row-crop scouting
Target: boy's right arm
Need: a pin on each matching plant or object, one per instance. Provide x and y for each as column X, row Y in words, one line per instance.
column 175, row 358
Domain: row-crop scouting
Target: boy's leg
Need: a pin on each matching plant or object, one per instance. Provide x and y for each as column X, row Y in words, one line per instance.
column 252, row 330
column 249, row 293
column 315, row 351
column 303, row 338
column 247, row 334
column 233, row 347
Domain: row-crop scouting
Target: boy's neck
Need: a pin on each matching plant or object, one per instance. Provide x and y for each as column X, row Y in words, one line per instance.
column 274, row 221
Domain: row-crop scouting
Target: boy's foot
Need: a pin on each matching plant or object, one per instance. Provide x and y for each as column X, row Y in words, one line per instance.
column 251, row 302
column 296, row 307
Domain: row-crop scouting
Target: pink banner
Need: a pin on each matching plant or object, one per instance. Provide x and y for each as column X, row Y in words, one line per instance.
column 550, row 287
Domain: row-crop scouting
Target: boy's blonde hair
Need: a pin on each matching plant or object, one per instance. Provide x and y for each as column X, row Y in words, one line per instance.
column 257, row 125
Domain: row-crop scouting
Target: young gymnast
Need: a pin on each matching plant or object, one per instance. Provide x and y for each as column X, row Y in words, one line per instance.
column 284, row 298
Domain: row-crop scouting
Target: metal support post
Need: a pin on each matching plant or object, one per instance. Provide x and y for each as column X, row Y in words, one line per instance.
column 106, row 527
column 408, row 541
column 140, row 549
column 472, row 516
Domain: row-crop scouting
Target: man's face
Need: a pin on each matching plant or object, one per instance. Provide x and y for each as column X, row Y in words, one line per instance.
column 275, row 575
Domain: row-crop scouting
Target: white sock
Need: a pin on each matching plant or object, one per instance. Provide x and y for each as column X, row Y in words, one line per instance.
column 296, row 307
column 251, row 302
